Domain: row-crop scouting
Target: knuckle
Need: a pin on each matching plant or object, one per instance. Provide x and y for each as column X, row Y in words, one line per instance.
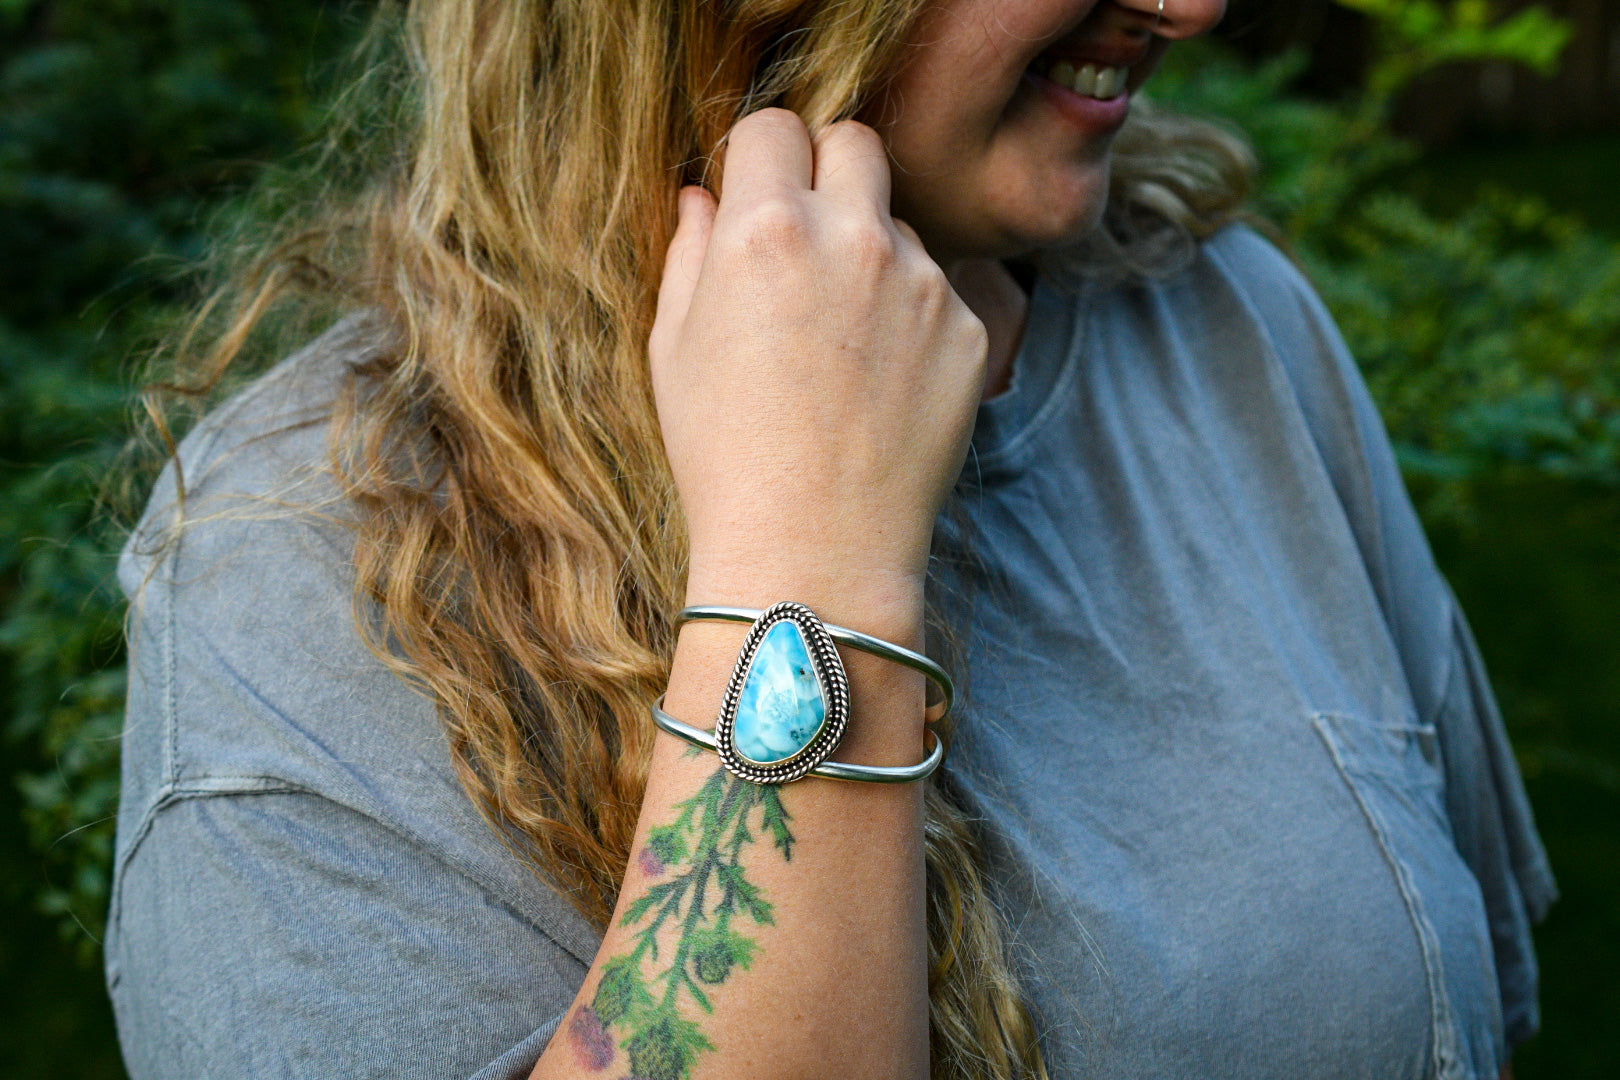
column 852, row 135
column 774, row 119
column 932, row 286
column 866, row 243
column 972, row 334
column 773, row 226
column 907, row 234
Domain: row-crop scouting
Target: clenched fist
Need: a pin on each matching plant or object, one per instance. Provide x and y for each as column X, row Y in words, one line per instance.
column 816, row 376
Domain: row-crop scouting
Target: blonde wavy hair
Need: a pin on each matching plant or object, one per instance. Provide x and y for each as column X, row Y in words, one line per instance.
column 520, row 547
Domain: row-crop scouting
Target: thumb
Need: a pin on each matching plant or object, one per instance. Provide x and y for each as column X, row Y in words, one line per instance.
column 684, row 261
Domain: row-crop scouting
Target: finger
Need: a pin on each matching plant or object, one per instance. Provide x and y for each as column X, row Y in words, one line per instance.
column 767, row 152
column 852, row 163
column 683, row 262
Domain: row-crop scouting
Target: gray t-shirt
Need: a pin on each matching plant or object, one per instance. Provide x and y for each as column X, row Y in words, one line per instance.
column 1250, row 805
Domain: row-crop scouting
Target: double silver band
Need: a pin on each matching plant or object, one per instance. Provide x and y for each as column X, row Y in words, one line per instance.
column 855, row 640
column 832, row 770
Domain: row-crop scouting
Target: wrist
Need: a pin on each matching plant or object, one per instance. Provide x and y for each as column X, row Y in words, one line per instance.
column 884, row 604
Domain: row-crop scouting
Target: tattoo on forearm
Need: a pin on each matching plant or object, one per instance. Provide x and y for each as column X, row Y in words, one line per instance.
column 701, row 894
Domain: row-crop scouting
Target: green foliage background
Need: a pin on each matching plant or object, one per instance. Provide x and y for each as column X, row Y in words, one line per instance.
column 1487, row 322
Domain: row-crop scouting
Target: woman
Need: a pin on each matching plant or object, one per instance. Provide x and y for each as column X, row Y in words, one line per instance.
column 1227, row 796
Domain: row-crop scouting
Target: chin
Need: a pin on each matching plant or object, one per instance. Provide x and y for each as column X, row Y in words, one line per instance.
column 1055, row 205
column 1042, row 224
column 1053, row 232
column 1043, row 217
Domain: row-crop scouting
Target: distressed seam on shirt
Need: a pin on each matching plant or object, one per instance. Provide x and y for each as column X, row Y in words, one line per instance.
column 201, row 453
column 228, row 786
column 170, row 794
column 525, row 1053
column 174, row 789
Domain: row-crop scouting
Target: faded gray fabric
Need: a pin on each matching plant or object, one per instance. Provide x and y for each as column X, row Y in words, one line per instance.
column 1250, row 805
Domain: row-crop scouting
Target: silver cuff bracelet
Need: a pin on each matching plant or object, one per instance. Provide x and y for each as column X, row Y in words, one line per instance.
column 786, row 706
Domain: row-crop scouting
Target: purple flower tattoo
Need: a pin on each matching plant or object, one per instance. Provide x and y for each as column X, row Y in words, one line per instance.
column 650, row 863
column 593, row 1044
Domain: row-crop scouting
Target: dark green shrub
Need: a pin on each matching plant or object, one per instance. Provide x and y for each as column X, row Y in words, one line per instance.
column 1488, row 334
column 125, row 126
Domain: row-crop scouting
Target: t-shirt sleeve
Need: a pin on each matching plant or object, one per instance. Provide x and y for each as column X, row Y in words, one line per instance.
column 302, row 886
column 280, row 934
column 1486, row 803
column 1492, row 824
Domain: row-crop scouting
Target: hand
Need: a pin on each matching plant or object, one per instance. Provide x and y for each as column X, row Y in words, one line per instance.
column 815, row 375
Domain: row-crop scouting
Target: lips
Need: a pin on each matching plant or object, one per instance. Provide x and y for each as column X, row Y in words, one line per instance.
column 1086, row 76
column 1092, row 116
column 1094, row 58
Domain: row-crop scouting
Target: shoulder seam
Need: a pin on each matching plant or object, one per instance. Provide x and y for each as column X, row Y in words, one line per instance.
column 236, row 785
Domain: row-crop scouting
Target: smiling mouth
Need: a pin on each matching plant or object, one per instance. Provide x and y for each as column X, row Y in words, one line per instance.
column 1088, row 79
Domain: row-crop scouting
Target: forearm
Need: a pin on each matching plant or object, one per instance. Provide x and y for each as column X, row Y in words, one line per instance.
column 816, row 381
column 824, row 971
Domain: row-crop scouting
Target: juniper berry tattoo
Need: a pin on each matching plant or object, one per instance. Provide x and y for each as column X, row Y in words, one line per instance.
column 704, row 896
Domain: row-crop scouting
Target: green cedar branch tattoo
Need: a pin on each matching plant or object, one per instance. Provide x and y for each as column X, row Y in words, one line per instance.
column 702, row 893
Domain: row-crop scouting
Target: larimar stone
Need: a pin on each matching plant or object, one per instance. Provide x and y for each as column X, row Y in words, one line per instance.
column 781, row 706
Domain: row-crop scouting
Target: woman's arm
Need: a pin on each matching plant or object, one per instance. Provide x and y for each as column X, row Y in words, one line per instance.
column 816, row 382
column 823, row 970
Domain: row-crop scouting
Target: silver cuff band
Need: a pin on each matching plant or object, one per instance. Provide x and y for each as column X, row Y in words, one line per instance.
column 832, row 770
column 855, row 640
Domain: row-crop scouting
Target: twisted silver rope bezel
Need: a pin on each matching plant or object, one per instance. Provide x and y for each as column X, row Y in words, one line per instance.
column 829, row 672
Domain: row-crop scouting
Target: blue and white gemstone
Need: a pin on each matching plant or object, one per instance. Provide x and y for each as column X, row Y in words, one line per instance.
column 782, row 705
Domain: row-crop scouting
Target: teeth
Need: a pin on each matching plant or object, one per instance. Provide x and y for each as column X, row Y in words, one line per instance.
column 1091, row 80
column 1085, row 81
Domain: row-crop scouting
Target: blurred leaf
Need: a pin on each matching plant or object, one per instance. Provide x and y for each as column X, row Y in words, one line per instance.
column 1415, row 36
